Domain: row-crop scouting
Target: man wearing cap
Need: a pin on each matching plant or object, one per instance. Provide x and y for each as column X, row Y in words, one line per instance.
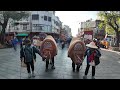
column 92, row 55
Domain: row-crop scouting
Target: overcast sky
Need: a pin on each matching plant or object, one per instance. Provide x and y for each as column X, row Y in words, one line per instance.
column 73, row 18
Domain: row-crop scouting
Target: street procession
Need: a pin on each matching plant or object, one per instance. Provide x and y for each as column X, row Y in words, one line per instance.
column 57, row 45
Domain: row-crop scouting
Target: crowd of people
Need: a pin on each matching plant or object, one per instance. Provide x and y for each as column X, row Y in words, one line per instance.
column 28, row 55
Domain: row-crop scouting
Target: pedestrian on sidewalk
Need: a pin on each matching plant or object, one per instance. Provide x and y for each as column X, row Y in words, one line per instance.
column 28, row 54
column 14, row 43
column 92, row 56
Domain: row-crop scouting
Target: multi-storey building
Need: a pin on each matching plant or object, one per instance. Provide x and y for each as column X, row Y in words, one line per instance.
column 93, row 26
column 37, row 22
column 65, row 32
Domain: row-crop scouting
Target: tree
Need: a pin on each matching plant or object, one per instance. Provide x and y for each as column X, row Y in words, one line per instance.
column 6, row 15
column 112, row 20
column 109, row 30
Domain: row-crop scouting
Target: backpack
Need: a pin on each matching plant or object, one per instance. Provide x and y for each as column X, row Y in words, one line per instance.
column 30, row 51
column 91, row 56
column 95, row 58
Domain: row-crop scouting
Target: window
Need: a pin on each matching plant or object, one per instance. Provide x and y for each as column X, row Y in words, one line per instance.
column 16, row 28
column 45, row 18
column 35, row 17
column 15, row 23
column 54, row 21
column 24, row 26
column 41, row 27
column 37, row 27
column 34, row 26
column 49, row 19
column 57, row 24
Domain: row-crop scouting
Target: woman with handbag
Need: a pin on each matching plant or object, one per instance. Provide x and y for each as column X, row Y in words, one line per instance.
column 92, row 56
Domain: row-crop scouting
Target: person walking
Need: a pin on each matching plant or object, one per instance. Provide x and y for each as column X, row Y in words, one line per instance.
column 92, row 56
column 21, row 42
column 47, row 62
column 63, row 44
column 14, row 43
column 96, row 41
column 28, row 54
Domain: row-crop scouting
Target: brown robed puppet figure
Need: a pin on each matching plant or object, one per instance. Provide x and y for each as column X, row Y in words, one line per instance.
column 48, row 51
column 76, row 52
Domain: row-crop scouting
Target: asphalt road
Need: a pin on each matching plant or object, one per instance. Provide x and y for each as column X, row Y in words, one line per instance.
column 10, row 66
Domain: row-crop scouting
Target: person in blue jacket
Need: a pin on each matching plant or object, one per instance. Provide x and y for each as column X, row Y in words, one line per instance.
column 14, row 43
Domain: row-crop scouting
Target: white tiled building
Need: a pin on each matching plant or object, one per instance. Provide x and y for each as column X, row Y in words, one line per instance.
column 41, row 21
column 56, row 24
column 18, row 26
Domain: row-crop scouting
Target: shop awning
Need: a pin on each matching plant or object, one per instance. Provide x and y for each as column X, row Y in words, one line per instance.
column 22, row 34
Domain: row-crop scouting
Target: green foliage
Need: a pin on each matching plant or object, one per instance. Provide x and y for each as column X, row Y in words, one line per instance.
column 112, row 22
column 15, row 15
column 111, row 18
column 5, row 16
column 109, row 30
column 101, row 25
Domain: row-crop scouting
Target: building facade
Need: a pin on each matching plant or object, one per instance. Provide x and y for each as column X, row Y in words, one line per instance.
column 37, row 22
column 22, row 25
column 56, row 24
column 93, row 26
column 41, row 21
column 65, row 32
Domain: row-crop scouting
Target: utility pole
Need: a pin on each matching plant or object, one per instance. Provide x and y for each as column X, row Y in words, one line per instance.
column 30, row 16
column 30, row 22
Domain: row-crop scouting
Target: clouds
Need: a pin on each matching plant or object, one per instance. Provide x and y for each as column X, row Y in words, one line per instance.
column 73, row 18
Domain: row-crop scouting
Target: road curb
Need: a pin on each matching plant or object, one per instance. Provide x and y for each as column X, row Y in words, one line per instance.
column 110, row 50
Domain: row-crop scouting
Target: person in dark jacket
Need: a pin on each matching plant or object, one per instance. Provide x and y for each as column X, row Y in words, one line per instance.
column 28, row 53
column 97, row 43
column 92, row 54
column 21, row 43
column 47, row 62
column 63, row 44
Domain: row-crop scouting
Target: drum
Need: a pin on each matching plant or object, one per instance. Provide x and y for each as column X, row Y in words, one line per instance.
column 48, row 47
column 76, row 51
